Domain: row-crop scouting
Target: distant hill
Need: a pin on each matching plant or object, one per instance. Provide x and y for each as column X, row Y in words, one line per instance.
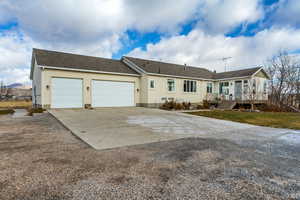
column 14, row 85
column 18, row 85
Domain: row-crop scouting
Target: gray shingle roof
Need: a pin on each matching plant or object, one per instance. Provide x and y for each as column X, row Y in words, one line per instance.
column 171, row 69
column 237, row 73
column 157, row 67
column 73, row 61
column 81, row 62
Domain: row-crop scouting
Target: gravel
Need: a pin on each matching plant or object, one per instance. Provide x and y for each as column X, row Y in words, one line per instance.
column 40, row 159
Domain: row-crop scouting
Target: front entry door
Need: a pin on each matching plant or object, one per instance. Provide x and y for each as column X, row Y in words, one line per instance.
column 238, row 90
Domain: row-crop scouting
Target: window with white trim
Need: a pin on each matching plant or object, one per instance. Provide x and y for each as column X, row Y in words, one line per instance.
column 224, row 88
column 189, row 86
column 246, row 86
column 209, row 88
column 254, row 86
column 265, row 87
column 171, row 85
column 152, row 84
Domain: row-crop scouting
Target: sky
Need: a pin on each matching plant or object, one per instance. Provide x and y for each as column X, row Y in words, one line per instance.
column 193, row 32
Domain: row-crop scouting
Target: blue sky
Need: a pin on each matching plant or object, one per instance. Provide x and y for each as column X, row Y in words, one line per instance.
column 249, row 31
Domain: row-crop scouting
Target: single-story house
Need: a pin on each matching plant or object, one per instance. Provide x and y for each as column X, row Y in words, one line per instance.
column 64, row 80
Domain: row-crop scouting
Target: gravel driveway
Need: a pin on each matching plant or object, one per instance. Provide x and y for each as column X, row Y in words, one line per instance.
column 40, row 159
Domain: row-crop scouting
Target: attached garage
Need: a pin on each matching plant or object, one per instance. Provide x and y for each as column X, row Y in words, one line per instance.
column 66, row 93
column 112, row 93
column 66, row 80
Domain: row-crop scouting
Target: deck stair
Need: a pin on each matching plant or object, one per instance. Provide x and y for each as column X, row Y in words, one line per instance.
column 294, row 109
column 226, row 105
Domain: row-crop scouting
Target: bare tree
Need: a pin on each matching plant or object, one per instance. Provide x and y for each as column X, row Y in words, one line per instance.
column 2, row 90
column 282, row 70
column 297, row 86
column 250, row 91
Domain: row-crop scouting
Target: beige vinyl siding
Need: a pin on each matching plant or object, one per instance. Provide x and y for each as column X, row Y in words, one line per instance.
column 144, row 89
column 260, row 74
column 160, row 91
column 36, row 85
column 87, row 78
column 260, row 88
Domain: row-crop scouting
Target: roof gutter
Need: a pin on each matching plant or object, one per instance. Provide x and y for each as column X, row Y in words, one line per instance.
column 185, row 77
column 195, row 78
column 224, row 79
column 88, row 71
column 138, row 75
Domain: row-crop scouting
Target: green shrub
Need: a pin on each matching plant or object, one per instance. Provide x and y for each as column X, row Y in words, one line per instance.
column 173, row 105
column 179, row 106
column 186, row 105
column 6, row 111
column 34, row 110
column 199, row 107
column 206, row 104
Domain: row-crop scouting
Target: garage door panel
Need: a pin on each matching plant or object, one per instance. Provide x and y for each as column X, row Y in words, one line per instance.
column 66, row 93
column 112, row 94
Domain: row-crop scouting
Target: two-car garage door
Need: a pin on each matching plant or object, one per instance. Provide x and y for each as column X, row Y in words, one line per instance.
column 112, row 94
column 68, row 93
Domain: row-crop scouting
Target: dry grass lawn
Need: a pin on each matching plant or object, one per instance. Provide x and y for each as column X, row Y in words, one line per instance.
column 272, row 119
column 15, row 104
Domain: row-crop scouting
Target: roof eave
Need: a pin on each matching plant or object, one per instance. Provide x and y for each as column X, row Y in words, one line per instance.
column 184, row 77
column 239, row 77
column 262, row 69
column 33, row 60
column 89, row 71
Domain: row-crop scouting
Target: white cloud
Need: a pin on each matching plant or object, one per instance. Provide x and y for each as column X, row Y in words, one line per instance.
column 15, row 56
column 164, row 16
column 97, row 27
column 15, row 75
column 219, row 16
column 204, row 50
column 91, row 27
column 89, row 21
column 65, row 21
column 287, row 12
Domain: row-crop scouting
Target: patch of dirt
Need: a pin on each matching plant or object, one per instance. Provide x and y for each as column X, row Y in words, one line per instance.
column 40, row 159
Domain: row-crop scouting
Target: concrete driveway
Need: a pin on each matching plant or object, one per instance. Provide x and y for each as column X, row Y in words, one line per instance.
column 107, row 128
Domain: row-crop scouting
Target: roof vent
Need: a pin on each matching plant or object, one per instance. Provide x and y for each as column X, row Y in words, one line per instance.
column 185, row 67
column 215, row 71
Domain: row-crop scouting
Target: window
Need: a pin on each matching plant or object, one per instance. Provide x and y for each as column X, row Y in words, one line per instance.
column 246, row 86
column 171, row 85
column 265, row 87
column 224, row 88
column 254, row 86
column 189, row 86
column 209, row 87
column 152, row 84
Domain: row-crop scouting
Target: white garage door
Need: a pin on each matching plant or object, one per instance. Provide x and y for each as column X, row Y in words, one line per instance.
column 66, row 93
column 112, row 94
